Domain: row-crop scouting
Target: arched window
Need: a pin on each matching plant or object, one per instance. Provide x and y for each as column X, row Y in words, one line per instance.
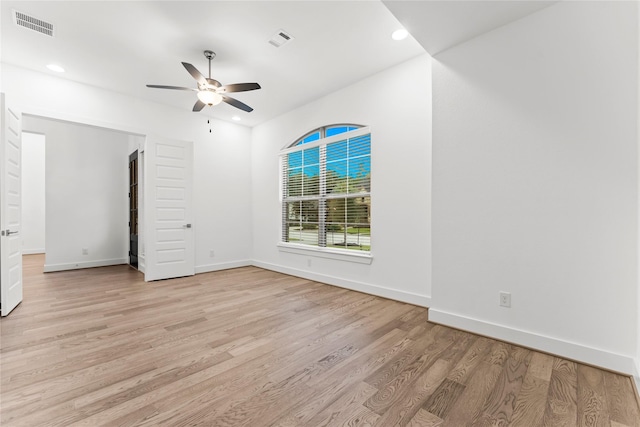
column 326, row 188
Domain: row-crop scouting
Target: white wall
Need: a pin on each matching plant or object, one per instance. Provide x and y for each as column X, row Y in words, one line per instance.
column 86, row 194
column 224, row 153
column 396, row 103
column 535, row 186
column 637, row 372
column 33, row 206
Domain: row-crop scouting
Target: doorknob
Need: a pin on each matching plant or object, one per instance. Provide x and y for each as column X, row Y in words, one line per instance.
column 187, row 226
column 8, row 232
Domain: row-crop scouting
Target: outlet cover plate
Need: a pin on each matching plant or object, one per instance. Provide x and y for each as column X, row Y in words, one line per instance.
column 505, row 299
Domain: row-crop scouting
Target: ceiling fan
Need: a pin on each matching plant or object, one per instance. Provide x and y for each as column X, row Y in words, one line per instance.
column 210, row 91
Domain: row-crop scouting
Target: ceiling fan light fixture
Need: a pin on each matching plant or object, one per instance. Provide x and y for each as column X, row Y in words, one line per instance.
column 209, row 97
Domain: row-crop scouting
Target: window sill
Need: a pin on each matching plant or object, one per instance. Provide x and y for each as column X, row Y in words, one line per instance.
column 359, row 257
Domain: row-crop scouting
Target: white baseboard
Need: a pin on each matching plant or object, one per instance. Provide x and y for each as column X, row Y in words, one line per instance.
column 636, row 378
column 574, row 351
column 222, row 266
column 32, row 251
column 420, row 300
column 48, row 268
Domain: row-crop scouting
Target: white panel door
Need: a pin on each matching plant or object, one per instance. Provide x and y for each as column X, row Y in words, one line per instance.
column 169, row 239
column 10, row 201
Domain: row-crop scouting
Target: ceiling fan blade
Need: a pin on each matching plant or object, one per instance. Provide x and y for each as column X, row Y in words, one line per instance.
column 239, row 87
column 213, row 82
column 195, row 73
column 170, row 87
column 198, row 106
column 237, row 104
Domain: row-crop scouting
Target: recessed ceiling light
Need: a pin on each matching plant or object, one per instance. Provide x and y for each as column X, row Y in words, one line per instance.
column 400, row 34
column 236, row 118
column 56, row 68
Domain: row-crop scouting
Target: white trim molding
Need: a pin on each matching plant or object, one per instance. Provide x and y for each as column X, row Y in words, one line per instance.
column 49, row 268
column 636, row 378
column 569, row 350
column 340, row 255
column 411, row 298
column 32, row 251
column 222, row 266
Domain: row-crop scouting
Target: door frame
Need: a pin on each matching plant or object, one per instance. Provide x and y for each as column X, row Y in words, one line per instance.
column 134, row 212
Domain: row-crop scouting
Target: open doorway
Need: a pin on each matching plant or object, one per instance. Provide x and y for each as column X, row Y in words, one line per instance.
column 133, row 209
column 33, row 193
column 86, row 193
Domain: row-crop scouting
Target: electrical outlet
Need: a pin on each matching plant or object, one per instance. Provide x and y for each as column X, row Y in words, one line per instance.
column 211, row 254
column 505, row 299
column 308, row 262
column 85, row 251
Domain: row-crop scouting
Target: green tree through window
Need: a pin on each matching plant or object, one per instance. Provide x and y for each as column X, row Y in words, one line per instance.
column 326, row 178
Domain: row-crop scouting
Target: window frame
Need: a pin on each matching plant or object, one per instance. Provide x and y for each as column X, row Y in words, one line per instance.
column 359, row 256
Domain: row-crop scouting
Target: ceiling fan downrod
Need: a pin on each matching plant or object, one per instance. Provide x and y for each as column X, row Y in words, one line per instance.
column 209, row 54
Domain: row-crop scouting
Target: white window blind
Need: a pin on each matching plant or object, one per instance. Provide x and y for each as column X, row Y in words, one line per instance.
column 326, row 188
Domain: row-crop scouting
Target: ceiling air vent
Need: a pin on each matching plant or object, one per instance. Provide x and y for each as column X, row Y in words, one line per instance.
column 31, row 23
column 280, row 38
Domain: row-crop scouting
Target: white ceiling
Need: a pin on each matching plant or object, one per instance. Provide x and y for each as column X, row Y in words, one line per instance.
column 439, row 25
column 124, row 45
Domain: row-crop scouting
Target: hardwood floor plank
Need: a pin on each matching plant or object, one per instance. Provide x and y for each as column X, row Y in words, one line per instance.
column 410, row 399
column 393, row 367
column 338, row 380
column 500, row 404
column 444, row 398
column 185, row 324
column 358, row 415
column 615, row 424
column 468, row 408
column 462, row 371
column 424, row 419
column 561, row 408
column 531, row 402
column 254, row 347
column 591, row 399
column 622, row 408
column 391, row 392
column 343, row 407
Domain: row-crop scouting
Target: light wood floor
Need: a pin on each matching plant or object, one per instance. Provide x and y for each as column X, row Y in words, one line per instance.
column 257, row 348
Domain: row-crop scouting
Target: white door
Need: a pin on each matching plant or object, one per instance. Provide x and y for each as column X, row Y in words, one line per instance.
column 169, row 240
column 10, row 209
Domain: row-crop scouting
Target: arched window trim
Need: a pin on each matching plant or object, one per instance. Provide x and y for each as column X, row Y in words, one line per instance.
column 323, row 132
